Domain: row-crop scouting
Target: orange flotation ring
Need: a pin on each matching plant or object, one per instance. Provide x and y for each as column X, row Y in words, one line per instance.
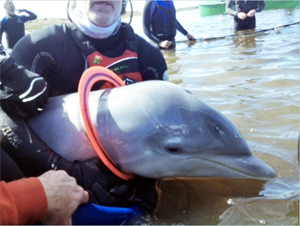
column 88, row 79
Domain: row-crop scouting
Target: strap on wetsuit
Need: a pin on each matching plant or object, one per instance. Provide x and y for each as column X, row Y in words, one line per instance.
column 81, row 41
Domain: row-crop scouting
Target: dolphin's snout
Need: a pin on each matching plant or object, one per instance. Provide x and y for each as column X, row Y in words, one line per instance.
column 255, row 167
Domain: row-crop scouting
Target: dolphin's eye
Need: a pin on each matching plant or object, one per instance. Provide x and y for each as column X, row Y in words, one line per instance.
column 173, row 150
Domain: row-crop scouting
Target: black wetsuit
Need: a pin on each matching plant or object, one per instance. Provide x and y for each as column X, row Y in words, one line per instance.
column 233, row 7
column 13, row 26
column 53, row 54
column 160, row 23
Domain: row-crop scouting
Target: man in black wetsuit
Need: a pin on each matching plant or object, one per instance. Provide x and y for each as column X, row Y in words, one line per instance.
column 160, row 23
column 243, row 12
column 13, row 25
column 50, row 62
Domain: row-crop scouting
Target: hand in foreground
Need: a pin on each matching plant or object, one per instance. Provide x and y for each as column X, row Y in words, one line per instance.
column 63, row 197
column 165, row 44
column 251, row 13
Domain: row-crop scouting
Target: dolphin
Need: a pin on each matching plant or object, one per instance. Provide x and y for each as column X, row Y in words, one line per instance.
column 153, row 129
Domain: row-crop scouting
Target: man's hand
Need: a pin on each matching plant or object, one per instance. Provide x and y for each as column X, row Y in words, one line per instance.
column 251, row 13
column 190, row 37
column 242, row 15
column 63, row 197
column 165, row 44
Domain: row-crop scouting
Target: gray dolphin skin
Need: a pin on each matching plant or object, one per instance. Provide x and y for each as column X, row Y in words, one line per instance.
column 153, row 129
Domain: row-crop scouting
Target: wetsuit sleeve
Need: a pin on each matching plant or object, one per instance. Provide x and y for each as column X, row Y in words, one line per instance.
column 31, row 15
column 151, row 61
column 180, row 28
column 22, row 202
column 51, row 53
column 39, row 52
column 261, row 6
column 230, row 8
column 33, row 53
column 147, row 22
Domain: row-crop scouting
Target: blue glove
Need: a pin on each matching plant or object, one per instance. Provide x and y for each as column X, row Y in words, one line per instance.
column 22, row 92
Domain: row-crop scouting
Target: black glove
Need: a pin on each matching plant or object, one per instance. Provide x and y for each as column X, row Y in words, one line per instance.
column 100, row 195
column 2, row 51
column 23, row 93
column 139, row 191
column 145, row 193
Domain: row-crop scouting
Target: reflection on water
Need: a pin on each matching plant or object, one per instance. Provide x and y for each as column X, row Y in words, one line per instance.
column 254, row 81
column 262, row 211
column 226, row 202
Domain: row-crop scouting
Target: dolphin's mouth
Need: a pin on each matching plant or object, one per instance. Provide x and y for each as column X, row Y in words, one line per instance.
column 248, row 167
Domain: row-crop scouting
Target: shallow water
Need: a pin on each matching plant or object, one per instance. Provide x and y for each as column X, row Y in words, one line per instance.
column 254, row 81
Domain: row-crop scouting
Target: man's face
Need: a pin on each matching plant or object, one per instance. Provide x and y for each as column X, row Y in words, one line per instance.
column 10, row 7
column 101, row 13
